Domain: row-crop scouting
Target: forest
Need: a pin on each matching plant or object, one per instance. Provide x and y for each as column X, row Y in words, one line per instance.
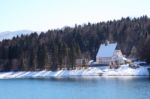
column 59, row 48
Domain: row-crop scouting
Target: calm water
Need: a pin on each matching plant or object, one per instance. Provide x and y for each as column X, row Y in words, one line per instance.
column 76, row 88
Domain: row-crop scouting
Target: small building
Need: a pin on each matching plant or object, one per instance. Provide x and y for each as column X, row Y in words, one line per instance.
column 81, row 62
column 108, row 55
column 118, row 57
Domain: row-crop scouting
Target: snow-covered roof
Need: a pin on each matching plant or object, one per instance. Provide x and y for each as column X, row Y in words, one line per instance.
column 106, row 50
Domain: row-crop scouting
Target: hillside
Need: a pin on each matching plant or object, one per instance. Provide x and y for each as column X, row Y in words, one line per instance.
column 61, row 47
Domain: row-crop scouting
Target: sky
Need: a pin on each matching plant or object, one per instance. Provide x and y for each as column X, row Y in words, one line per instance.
column 41, row 15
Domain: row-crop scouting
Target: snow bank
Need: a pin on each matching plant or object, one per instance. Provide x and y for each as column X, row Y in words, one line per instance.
column 124, row 70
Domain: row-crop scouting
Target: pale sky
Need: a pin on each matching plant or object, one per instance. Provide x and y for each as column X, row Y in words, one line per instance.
column 41, row 15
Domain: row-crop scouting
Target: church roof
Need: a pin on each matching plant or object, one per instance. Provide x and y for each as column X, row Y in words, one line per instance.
column 106, row 50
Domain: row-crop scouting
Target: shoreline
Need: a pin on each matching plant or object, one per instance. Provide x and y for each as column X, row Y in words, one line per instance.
column 124, row 70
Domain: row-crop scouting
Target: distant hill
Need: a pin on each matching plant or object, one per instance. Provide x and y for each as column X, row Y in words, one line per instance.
column 11, row 34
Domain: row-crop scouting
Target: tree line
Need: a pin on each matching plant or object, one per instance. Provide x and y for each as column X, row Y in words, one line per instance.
column 59, row 48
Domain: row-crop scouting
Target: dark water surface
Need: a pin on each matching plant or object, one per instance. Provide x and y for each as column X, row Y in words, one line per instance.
column 76, row 88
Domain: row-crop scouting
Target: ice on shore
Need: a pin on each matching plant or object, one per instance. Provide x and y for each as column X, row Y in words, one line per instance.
column 124, row 70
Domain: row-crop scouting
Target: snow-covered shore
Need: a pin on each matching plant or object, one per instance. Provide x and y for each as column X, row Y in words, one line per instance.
column 124, row 70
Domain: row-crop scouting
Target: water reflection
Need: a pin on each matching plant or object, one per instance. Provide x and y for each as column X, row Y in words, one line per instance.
column 99, row 78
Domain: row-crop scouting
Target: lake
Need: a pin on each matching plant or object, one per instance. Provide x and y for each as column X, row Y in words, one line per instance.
column 76, row 88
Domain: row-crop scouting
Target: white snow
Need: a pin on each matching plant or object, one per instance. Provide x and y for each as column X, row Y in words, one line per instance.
column 124, row 70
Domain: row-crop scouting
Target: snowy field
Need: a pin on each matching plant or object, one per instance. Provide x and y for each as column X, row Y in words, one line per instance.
column 124, row 70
